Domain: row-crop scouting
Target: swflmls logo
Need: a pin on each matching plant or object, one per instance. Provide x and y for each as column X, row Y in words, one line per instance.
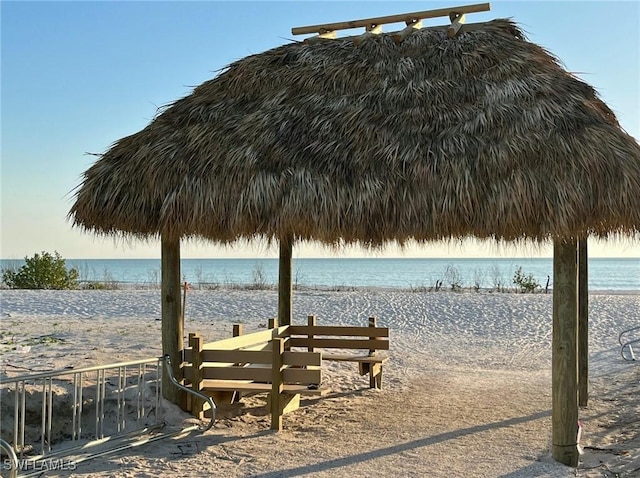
column 40, row 465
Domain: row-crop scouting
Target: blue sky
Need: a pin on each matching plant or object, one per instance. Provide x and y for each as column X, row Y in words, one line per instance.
column 77, row 76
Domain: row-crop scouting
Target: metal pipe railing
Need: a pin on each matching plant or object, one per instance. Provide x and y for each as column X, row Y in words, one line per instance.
column 627, row 344
column 130, row 379
column 13, row 459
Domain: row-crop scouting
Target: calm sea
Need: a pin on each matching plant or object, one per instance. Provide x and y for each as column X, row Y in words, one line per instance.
column 404, row 273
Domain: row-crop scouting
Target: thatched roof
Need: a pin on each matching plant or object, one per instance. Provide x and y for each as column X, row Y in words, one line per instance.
column 484, row 134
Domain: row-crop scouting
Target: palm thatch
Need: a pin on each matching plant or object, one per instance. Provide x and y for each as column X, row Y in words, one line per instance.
column 481, row 135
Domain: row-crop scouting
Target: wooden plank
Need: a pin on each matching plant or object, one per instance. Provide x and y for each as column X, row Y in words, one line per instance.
column 247, row 340
column 303, row 358
column 172, row 320
column 210, row 386
column 312, row 321
column 307, row 376
column 276, row 384
column 259, row 374
column 338, row 331
column 236, row 356
column 197, row 404
column 355, row 358
column 186, row 354
column 564, row 357
column 230, row 385
column 403, row 17
column 381, row 344
column 583, row 323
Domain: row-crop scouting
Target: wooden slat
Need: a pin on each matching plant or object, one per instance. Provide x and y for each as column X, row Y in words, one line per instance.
column 355, row 358
column 247, row 340
column 259, row 374
column 339, row 331
column 380, row 344
column 276, row 384
column 232, row 385
column 197, row 404
column 237, row 356
column 302, row 375
column 302, row 358
column 402, row 17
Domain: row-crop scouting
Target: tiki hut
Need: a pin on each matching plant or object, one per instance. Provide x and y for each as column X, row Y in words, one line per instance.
column 369, row 140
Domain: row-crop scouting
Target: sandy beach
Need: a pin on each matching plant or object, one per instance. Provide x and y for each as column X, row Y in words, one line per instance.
column 467, row 391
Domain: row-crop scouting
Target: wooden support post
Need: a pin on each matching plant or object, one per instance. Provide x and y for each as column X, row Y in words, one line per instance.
column 238, row 329
column 312, row 321
column 373, row 321
column 196, row 343
column 285, row 285
column 273, row 323
column 565, row 352
column 375, row 375
column 172, row 320
column 276, row 384
column 411, row 27
column 457, row 20
column 583, row 323
column 371, row 31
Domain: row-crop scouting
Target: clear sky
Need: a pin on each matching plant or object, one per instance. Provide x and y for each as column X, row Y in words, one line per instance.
column 77, row 76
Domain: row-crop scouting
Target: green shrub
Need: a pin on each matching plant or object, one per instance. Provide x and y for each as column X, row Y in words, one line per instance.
column 526, row 283
column 42, row 271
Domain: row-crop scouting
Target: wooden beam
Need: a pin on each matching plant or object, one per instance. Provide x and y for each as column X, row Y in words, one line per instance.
column 411, row 27
column 285, row 284
column 564, row 376
column 276, row 384
column 456, row 24
column 330, row 35
column 583, row 323
column 403, row 17
column 371, row 31
column 172, row 320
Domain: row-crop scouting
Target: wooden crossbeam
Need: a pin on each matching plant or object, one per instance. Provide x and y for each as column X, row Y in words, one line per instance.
column 408, row 18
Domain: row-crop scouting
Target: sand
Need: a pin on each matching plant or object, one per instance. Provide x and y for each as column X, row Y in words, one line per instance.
column 467, row 391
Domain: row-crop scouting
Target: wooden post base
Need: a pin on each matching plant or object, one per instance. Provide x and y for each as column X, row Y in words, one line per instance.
column 375, row 373
column 288, row 402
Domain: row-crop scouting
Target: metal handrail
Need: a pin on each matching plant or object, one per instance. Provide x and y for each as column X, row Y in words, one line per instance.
column 133, row 437
column 628, row 343
column 198, row 394
column 13, row 458
column 70, row 371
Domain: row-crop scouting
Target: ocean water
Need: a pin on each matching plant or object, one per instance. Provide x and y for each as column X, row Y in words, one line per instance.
column 340, row 273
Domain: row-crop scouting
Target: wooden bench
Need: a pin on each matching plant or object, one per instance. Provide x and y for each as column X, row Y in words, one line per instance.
column 356, row 344
column 257, row 362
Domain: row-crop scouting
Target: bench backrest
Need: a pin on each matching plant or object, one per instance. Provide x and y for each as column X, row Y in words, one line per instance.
column 314, row 336
column 250, row 358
